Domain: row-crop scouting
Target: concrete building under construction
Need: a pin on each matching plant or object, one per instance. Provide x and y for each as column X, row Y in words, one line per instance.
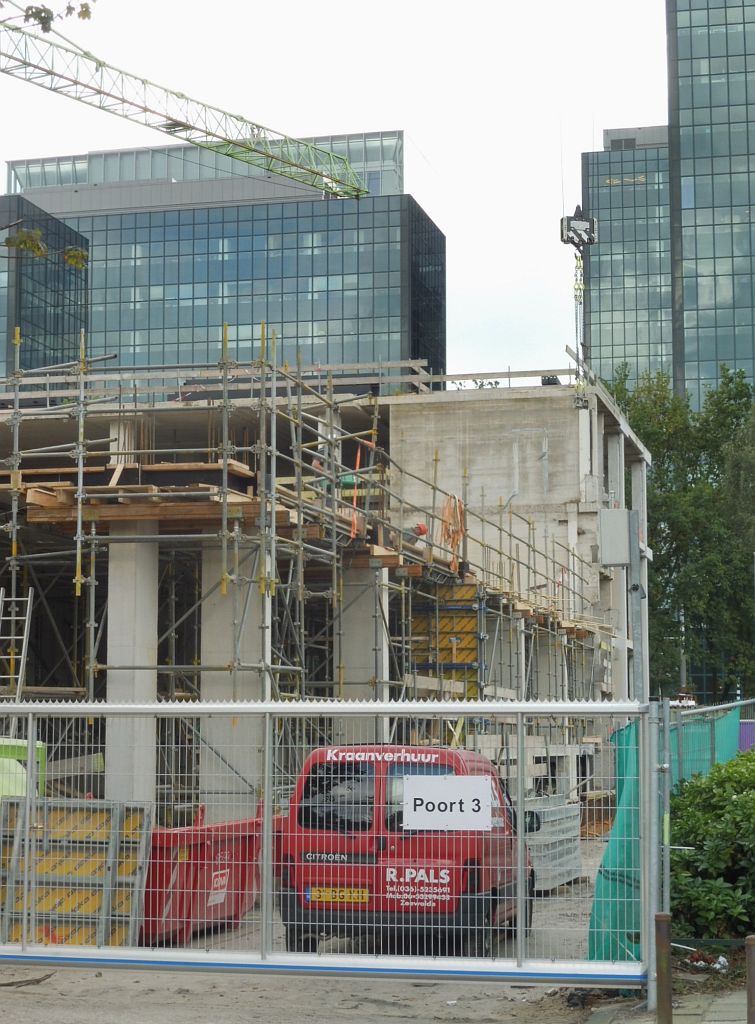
column 249, row 532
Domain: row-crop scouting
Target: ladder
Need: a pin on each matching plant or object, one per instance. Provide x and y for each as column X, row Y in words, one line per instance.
column 15, row 621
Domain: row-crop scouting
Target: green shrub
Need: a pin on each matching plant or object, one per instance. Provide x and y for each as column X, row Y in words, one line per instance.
column 713, row 884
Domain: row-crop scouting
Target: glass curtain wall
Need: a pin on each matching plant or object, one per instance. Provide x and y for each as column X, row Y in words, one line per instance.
column 43, row 295
column 340, row 281
column 377, row 156
column 712, row 162
column 628, row 271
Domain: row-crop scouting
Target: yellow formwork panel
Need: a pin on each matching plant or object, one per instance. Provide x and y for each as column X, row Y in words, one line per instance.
column 132, row 825
column 65, row 934
column 80, row 864
column 61, row 899
column 79, row 826
column 121, row 901
column 449, row 636
column 86, row 869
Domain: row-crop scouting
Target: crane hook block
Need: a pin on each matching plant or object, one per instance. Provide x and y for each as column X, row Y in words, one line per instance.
column 579, row 230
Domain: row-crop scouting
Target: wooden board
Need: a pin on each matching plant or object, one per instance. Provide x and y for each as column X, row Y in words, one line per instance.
column 186, row 512
column 234, row 467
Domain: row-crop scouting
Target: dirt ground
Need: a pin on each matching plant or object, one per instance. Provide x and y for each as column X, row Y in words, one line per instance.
column 84, row 996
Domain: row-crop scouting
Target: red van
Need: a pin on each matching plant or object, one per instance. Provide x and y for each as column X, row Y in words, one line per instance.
column 346, row 865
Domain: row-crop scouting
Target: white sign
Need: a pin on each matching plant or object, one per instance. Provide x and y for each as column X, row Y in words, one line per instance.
column 219, row 890
column 447, row 803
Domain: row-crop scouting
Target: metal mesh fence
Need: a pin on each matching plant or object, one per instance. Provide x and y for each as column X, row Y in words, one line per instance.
column 332, row 832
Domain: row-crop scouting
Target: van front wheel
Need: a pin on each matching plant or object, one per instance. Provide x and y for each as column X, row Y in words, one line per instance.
column 477, row 942
column 300, row 941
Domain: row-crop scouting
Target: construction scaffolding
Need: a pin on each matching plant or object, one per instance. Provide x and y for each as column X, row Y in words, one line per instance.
column 289, row 561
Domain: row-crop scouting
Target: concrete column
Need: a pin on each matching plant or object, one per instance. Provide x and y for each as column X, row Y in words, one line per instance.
column 364, row 651
column 131, row 640
column 589, row 453
column 620, row 668
column 231, row 757
column 615, row 450
column 619, row 597
column 639, row 502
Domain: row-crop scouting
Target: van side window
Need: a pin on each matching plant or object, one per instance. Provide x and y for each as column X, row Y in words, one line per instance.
column 338, row 798
column 394, row 798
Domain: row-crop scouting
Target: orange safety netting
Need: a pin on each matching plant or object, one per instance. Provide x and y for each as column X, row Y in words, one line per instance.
column 452, row 528
column 354, row 496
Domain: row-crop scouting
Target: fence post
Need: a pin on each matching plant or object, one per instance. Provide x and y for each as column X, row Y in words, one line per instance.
column 29, row 809
column 750, row 950
column 665, row 769
column 649, row 829
column 266, row 846
column 712, row 740
column 679, row 745
column 521, row 870
column 664, row 1011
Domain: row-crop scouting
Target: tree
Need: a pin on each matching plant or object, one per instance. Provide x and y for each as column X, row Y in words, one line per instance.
column 700, row 580
column 739, row 482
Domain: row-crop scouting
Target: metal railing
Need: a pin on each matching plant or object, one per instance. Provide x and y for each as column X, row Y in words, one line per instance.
column 432, row 855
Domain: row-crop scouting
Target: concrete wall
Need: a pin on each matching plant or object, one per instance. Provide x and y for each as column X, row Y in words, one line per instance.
column 528, row 449
column 551, row 458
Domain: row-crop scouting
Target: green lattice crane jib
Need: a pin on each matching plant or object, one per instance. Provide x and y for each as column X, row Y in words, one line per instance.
column 89, row 80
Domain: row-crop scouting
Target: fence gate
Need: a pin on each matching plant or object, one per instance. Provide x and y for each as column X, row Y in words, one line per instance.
column 493, row 840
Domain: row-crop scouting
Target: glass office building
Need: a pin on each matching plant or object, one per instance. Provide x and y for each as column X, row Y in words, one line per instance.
column 627, row 300
column 712, row 165
column 711, row 199
column 377, row 156
column 341, row 282
column 182, row 240
column 42, row 295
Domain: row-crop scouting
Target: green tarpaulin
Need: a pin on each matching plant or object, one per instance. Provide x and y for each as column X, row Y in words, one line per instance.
column 615, row 917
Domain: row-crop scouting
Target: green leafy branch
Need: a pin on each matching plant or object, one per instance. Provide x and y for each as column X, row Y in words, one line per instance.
column 30, row 240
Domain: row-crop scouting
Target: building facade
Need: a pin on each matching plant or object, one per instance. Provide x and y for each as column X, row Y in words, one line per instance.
column 627, row 300
column 708, row 205
column 44, row 296
column 182, row 241
column 712, row 178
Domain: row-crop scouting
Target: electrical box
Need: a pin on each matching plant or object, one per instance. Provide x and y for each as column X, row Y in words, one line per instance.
column 613, row 536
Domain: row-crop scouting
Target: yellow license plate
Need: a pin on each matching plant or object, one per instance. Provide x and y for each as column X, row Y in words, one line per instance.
column 320, row 894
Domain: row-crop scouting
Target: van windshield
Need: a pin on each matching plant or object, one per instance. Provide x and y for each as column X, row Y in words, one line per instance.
column 338, row 798
column 394, row 798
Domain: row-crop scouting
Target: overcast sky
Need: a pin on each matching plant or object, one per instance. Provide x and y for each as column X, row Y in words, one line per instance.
column 497, row 100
